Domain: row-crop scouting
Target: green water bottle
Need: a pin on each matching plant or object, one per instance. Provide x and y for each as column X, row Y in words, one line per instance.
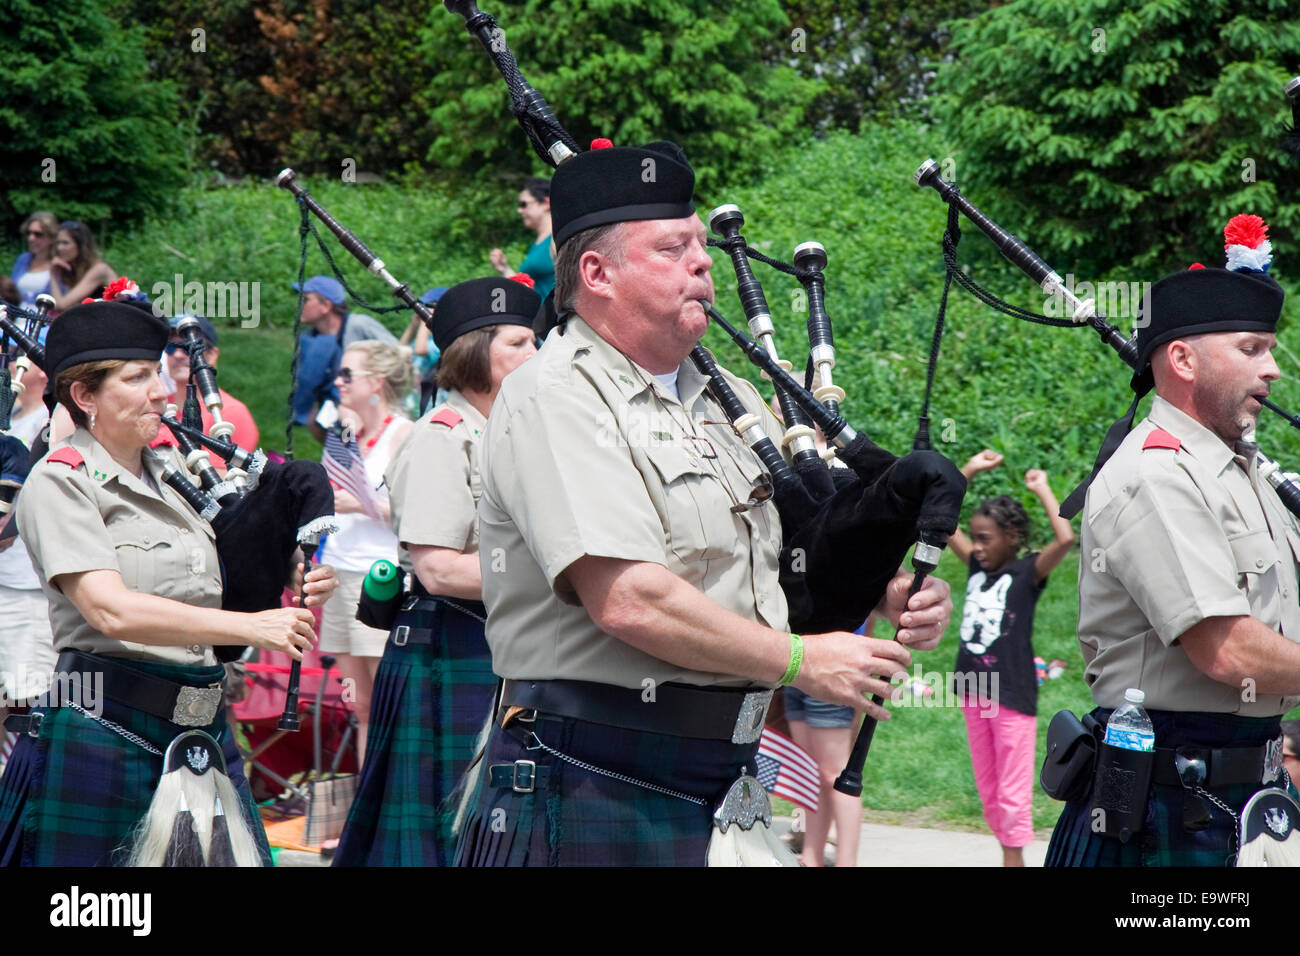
column 381, row 596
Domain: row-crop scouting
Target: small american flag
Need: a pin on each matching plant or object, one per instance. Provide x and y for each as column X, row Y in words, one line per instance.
column 786, row 770
column 346, row 469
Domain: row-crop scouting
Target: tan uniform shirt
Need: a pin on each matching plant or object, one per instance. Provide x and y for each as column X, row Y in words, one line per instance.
column 96, row 516
column 433, row 480
column 587, row 454
column 1170, row 538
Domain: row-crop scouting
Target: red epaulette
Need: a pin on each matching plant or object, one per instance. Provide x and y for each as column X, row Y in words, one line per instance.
column 1161, row 439
column 445, row 416
column 67, row 456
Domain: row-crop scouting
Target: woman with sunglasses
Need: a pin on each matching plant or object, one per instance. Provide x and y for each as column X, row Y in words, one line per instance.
column 435, row 684
column 535, row 211
column 31, row 270
column 78, row 271
column 373, row 377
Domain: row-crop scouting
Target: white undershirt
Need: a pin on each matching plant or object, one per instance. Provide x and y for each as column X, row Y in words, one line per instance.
column 669, row 381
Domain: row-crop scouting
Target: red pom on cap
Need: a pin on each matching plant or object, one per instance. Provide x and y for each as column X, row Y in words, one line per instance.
column 1245, row 230
column 602, row 143
column 523, row 278
column 117, row 286
column 1195, row 265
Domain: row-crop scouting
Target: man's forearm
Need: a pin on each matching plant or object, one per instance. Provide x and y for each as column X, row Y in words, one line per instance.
column 1244, row 652
column 652, row 609
column 447, row 572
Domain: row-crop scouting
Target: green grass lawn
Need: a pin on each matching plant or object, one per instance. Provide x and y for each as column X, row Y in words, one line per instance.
column 254, row 367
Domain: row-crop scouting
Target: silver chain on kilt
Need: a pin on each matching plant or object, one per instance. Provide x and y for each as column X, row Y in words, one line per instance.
column 583, row 765
column 119, row 730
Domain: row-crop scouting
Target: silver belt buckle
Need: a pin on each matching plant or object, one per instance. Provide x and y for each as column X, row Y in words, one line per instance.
column 196, row 706
column 749, row 721
column 527, row 781
column 1272, row 761
column 401, row 635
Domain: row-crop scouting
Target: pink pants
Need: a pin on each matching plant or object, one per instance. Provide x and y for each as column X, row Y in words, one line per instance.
column 1002, row 753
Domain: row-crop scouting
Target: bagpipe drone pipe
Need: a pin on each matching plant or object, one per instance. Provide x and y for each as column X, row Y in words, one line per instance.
column 262, row 512
column 1084, row 312
column 845, row 531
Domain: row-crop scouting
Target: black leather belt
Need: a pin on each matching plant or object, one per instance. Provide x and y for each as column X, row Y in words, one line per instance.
column 679, row 710
column 28, row 724
column 404, row 634
column 178, row 703
column 1223, row 767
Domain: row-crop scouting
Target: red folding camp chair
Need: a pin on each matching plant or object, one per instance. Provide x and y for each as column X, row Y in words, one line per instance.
column 282, row 762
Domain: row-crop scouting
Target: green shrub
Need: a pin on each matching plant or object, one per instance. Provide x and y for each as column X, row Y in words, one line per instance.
column 86, row 132
column 1147, row 124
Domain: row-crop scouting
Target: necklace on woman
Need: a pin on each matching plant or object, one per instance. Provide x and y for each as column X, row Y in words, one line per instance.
column 371, row 442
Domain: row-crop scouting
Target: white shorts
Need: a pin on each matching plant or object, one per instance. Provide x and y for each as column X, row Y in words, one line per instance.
column 26, row 644
column 340, row 631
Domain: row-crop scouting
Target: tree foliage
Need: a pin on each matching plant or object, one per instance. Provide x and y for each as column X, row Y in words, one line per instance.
column 878, row 58
column 308, row 83
column 86, row 133
column 634, row 71
column 1118, row 132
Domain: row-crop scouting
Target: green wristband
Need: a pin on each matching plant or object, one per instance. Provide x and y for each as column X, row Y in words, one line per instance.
column 796, row 660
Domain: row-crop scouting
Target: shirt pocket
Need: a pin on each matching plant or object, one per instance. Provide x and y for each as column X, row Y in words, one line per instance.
column 1256, row 560
column 1254, row 554
column 696, row 506
column 142, row 555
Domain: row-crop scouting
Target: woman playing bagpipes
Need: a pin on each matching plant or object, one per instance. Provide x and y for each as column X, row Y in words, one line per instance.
column 435, row 683
column 135, row 592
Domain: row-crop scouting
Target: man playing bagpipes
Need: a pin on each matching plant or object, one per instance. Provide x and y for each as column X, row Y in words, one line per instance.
column 1188, row 587
column 630, row 569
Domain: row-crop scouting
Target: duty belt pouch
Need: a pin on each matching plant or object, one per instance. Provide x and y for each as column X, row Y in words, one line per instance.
column 380, row 614
column 1120, row 790
column 1069, row 765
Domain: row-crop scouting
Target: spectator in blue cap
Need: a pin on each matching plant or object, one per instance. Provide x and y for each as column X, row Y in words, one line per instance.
column 332, row 330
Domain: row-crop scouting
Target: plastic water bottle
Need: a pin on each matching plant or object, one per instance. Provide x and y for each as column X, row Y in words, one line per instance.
column 381, row 596
column 1129, row 727
column 383, row 582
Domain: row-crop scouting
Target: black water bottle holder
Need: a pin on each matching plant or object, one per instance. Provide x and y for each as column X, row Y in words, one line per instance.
column 1120, row 791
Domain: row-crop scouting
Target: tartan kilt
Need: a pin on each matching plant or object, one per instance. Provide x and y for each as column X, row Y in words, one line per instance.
column 73, row 796
column 582, row 818
column 429, row 704
column 1163, row 841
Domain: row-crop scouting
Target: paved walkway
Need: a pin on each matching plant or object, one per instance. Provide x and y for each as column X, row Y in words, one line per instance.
column 884, row 845
column 880, row 845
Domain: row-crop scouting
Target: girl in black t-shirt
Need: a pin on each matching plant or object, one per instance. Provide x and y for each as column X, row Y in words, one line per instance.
column 995, row 678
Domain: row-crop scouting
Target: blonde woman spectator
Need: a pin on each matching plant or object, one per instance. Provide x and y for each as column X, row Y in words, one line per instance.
column 373, row 377
column 32, row 269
